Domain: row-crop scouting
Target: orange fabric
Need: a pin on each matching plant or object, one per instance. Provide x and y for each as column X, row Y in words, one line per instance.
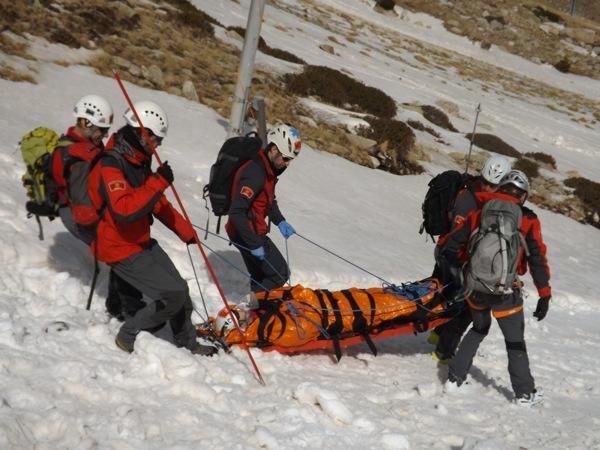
column 474, row 305
column 304, row 312
column 506, row 312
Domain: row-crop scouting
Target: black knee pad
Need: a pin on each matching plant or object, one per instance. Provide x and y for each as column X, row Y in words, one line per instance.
column 172, row 301
column 518, row 346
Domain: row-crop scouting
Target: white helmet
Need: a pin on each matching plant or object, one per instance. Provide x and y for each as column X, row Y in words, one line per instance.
column 224, row 323
column 153, row 117
column 494, row 169
column 95, row 109
column 516, row 178
column 287, row 140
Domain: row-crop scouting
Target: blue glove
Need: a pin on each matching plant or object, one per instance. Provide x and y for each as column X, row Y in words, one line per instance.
column 258, row 253
column 286, row 229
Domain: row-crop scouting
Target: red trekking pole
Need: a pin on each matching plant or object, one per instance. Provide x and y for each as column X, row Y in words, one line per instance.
column 197, row 239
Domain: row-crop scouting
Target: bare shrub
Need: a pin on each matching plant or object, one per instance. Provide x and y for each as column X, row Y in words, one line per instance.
column 546, row 16
column 419, row 126
column 542, row 157
column 267, row 50
column 189, row 16
column 564, row 65
column 12, row 74
column 438, row 117
column 63, row 36
column 529, row 166
column 588, row 192
column 493, row 143
column 387, row 5
column 338, row 89
column 397, row 140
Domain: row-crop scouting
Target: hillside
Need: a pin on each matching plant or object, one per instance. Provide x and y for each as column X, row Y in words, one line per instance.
column 172, row 46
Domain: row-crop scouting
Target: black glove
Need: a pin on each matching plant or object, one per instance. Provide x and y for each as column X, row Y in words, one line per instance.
column 166, row 172
column 541, row 310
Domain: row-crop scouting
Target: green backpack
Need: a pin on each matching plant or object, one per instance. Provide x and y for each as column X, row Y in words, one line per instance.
column 36, row 149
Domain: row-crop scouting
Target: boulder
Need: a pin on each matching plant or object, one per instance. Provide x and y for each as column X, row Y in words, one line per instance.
column 327, row 48
column 189, row 91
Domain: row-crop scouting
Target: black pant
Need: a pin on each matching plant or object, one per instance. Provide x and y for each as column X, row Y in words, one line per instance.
column 270, row 273
column 123, row 299
column 451, row 332
column 153, row 273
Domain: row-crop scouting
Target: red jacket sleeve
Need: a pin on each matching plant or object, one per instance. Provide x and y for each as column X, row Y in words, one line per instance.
column 126, row 203
column 172, row 219
column 537, row 261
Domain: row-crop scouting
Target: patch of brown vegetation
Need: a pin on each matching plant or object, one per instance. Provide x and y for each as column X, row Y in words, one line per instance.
column 267, row 50
column 338, row 89
column 438, row 117
column 588, row 192
column 12, row 74
column 12, row 47
column 529, row 166
column 504, row 23
column 397, row 141
column 543, row 158
column 494, row 144
column 419, row 126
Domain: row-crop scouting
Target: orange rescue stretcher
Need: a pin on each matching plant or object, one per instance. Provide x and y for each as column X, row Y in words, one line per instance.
column 298, row 319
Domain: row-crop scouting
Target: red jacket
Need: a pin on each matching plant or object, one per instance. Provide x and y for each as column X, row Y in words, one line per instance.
column 63, row 156
column 455, row 247
column 252, row 201
column 124, row 188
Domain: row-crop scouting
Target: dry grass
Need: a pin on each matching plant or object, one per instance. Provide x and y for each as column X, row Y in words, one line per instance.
column 12, row 47
column 12, row 74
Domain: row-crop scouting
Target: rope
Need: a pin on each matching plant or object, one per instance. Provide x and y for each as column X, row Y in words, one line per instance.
column 236, row 244
column 343, row 259
column 287, row 261
column 199, row 288
column 295, row 311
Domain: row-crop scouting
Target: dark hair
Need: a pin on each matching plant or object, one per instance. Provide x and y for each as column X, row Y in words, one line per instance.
column 512, row 190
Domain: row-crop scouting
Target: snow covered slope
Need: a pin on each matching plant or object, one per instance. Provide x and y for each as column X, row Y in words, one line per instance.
column 70, row 387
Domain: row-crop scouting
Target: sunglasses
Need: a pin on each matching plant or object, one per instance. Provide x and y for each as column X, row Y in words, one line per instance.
column 156, row 138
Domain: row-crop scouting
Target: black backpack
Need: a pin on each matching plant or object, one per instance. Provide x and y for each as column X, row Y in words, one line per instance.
column 439, row 201
column 234, row 152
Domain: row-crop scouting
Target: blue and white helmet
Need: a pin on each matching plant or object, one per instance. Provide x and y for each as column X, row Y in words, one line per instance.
column 287, row 139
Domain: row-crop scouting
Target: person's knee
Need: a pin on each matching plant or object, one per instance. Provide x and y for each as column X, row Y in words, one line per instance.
column 518, row 346
column 173, row 301
column 483, row 328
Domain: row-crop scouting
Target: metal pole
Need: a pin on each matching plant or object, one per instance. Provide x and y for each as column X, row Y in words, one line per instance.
column 238, row 109
column 261, row 119
column 573, row 6
column 477, row 111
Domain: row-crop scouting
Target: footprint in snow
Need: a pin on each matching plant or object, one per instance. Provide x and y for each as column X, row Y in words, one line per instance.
column 328, row 401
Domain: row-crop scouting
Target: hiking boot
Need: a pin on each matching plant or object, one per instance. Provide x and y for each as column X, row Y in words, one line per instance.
column 440, row 358
column 125, row 338
column 203, row 350
column 453, row 383
column 535, row 397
